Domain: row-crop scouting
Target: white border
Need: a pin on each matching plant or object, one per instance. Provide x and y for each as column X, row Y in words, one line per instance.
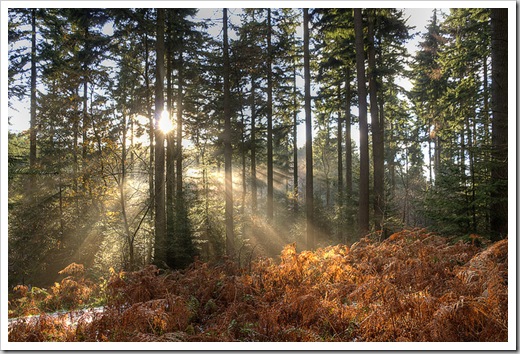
column 511, row 345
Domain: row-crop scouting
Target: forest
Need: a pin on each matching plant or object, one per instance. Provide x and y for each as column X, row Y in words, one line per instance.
column 257, row 174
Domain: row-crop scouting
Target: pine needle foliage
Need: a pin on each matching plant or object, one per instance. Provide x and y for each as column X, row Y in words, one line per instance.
column 414, row 286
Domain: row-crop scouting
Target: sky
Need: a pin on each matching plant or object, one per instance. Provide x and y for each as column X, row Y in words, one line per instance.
column 418, row 17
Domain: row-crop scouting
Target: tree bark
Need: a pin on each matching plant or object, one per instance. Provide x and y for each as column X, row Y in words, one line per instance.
column 254, row 189
column 377, row 131
column 340, row 151
column 348, row 138
column 32, row 129
column 363, row 213
column 230, row 236
column 151, row 134
column 270, row 187
column 309, row 186
column 499, row 106
column 295, row 144
column 122, row 198
column 170, row 147
column 180, row 112
column 160, row 215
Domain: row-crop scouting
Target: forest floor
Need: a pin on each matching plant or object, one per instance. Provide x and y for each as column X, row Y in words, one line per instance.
column 414, row 286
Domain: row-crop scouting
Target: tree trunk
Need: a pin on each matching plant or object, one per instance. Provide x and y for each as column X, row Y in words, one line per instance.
column 377, row 131
column 309, row 187
column 295, row 144
column 86, row 122
column 84, row 142
column 151, row 157
column 340, row 152
column 32, row 129
column 438, row 149
column 499, row 106
column 179, row 127
column 348, row 138
column 122, row 198
column 75, row 152
column 254, row 189
column 230, row 236
column 170, row 148
column 363, row 214
column 160, row 216
column 270, row 187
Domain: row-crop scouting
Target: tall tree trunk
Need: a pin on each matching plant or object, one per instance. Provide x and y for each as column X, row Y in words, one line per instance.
column 377, row 124
column 391, row 162
column 309, row 182
column 363, row 215
column 485, row 93
column 348, row 138
column 170, row 196
column 437, row 149
column 32, row 129
column 430, row 155
column 75, row 152
column 295, row 143
column 180, row 112
column 270, row 187
column 122, row 197
column 86, row 117
column 84, row 143
column 230, row 235
column 160, row 215
column 244, row 163
column 487, row 136
column 340, row 151
column 170, row 147
column 183, row 242
column 471, row 131
column 254, row 189
column 499, row 106
column 151, row 134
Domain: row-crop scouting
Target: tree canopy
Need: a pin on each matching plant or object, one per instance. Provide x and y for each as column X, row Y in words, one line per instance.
column 159, row 136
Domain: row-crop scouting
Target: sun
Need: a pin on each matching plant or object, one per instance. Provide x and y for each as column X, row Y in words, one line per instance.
column 165, row 124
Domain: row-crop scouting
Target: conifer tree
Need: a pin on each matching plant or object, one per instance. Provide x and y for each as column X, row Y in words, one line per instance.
column 363, row 213
column 499, row 102
column 309, row 182
column 230, row 235
column 160, row 211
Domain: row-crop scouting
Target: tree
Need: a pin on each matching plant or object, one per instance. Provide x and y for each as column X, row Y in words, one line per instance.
column 159, row 197
column 363, row 216
column 377, row 126
column 33, row 128
column 429, row 85
column 230, row 236
column 309, row 181
column 499, row 103
column 18, row 59
column 270, row 189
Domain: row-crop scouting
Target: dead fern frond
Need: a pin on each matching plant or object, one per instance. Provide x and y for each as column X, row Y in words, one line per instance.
column 73, row 269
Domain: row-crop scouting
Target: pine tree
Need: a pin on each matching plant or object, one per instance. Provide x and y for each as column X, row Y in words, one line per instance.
column 363, row 216
column 309, row 181
column 159, row 195
column 499, row 103
column 377, row 126
column 230, row 235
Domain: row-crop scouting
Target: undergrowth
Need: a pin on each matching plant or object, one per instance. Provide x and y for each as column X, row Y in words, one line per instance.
column 74, row 291
column 414, row 286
